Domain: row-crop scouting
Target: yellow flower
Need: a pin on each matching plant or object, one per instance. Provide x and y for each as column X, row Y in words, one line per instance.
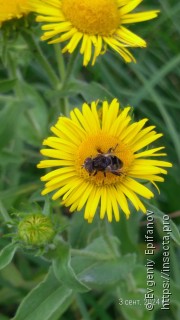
column 79, row 150
column 12, row 9
column 94, row 24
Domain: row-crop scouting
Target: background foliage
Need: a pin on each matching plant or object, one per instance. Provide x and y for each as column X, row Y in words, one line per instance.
column 97, row 264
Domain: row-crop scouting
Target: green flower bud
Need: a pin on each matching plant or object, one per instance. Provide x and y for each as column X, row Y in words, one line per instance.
column 36, row 230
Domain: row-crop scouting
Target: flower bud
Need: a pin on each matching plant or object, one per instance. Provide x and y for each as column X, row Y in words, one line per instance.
column 36, row 230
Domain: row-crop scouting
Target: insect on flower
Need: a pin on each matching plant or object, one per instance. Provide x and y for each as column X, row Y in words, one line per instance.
column 102, row 159
column 104, row 162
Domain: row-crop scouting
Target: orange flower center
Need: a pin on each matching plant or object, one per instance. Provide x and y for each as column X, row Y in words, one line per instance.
column 103, row 142
column 96, row 17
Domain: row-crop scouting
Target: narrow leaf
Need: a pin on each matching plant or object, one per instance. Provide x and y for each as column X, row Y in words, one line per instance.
column 7, row 254
column 45, row 301
column 63, row 270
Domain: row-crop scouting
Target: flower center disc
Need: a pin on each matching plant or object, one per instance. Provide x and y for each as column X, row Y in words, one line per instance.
column 103, row 142
column 96, row 17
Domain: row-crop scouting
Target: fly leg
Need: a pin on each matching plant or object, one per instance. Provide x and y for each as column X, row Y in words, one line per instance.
column 111, row 150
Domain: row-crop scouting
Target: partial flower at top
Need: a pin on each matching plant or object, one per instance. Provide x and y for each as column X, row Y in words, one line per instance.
column 10, row 9
column 101, row 158
column 94, row 24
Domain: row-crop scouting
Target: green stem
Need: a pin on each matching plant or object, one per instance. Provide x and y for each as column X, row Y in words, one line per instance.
column 35, row 48
column 70, row 67
column 13, row 73
column 60, row 61
column 62, row 74
column 104, row 229
column 64, row 106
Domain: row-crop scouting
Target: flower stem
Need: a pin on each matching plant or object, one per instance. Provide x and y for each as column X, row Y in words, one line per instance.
column 62, row 74
column 60, row 61
column 70, row 67
column 35, row 48
column 14, row 73
column 104, row 229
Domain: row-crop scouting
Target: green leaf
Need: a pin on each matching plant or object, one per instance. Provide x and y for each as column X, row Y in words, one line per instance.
column 79, row 230
column 7, row 254
column 165, row 114
column 157, row 77
column 7, row 85
column 99, row 249
column 133, row 301
column 8, row 125
column 63, row 270
column 129, row 230
column 2, row 317
column 99, row 306
column 107, row 273
column 47, row 301
column 98, row 267
column 131, row 312
column 140, row 276
column 89, row 91
column 7, row 157
column 174, row 233
column 34, row 124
